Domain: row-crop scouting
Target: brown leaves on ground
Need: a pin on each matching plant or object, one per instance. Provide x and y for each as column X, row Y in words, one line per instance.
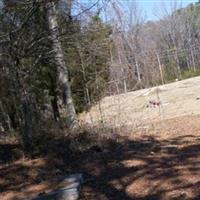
column 162, row 163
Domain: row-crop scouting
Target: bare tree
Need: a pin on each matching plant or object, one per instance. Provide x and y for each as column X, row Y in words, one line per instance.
column 127, row 23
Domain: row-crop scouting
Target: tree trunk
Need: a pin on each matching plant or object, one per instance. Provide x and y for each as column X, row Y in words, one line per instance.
column 28, row 125
column 178, row 64
column 193, row 61
column 56, row 113
column 160, row 69
column 62, row 71
column 138, row 73
column 125, row 86
column 4, row 118
column 87, row 93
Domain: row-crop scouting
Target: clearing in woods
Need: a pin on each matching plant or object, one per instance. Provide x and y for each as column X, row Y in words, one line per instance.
column 134, row 108
column 158, row 161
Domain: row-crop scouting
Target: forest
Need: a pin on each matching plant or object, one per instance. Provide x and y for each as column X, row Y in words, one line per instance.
column 59, row 58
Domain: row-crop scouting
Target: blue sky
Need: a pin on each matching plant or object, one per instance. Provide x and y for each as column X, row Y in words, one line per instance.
column 153, row 7
column 150, row 8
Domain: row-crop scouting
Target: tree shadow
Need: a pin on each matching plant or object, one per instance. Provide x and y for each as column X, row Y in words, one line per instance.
column 9, row 153
column 145, row 169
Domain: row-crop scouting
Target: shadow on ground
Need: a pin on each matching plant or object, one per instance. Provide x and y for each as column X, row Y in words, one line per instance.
column 121, row 169
column 147, row 169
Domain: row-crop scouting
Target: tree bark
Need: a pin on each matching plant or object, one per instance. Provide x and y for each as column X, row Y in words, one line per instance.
column 178, row 64
column 56, row 113
column 28, row 126
column 193, row 61
column 62, row 70
column 4, row 118
column 160, row 69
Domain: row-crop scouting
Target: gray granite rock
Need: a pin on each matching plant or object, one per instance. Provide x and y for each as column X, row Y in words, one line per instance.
column 68, row 191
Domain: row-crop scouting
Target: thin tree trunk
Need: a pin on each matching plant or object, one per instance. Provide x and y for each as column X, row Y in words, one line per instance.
column 56, row 113
column 193, row 61
column 160, row 68
column 125, row 86
column 69, row 8
column 54, row 101
column 87, row 93
column 62, row 70
column 138, row 73
column 178, row 65
column 4, row 118
column 117, row 86
column 28, row 125
column 26, row 104
column 188, row 63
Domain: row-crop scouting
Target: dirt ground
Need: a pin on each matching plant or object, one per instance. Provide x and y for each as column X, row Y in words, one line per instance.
column 161, row 162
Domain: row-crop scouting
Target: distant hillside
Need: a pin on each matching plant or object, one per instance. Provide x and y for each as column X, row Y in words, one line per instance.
column 147, row 105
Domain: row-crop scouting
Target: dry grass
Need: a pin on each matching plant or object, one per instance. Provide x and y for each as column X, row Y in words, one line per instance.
column 130, row 109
